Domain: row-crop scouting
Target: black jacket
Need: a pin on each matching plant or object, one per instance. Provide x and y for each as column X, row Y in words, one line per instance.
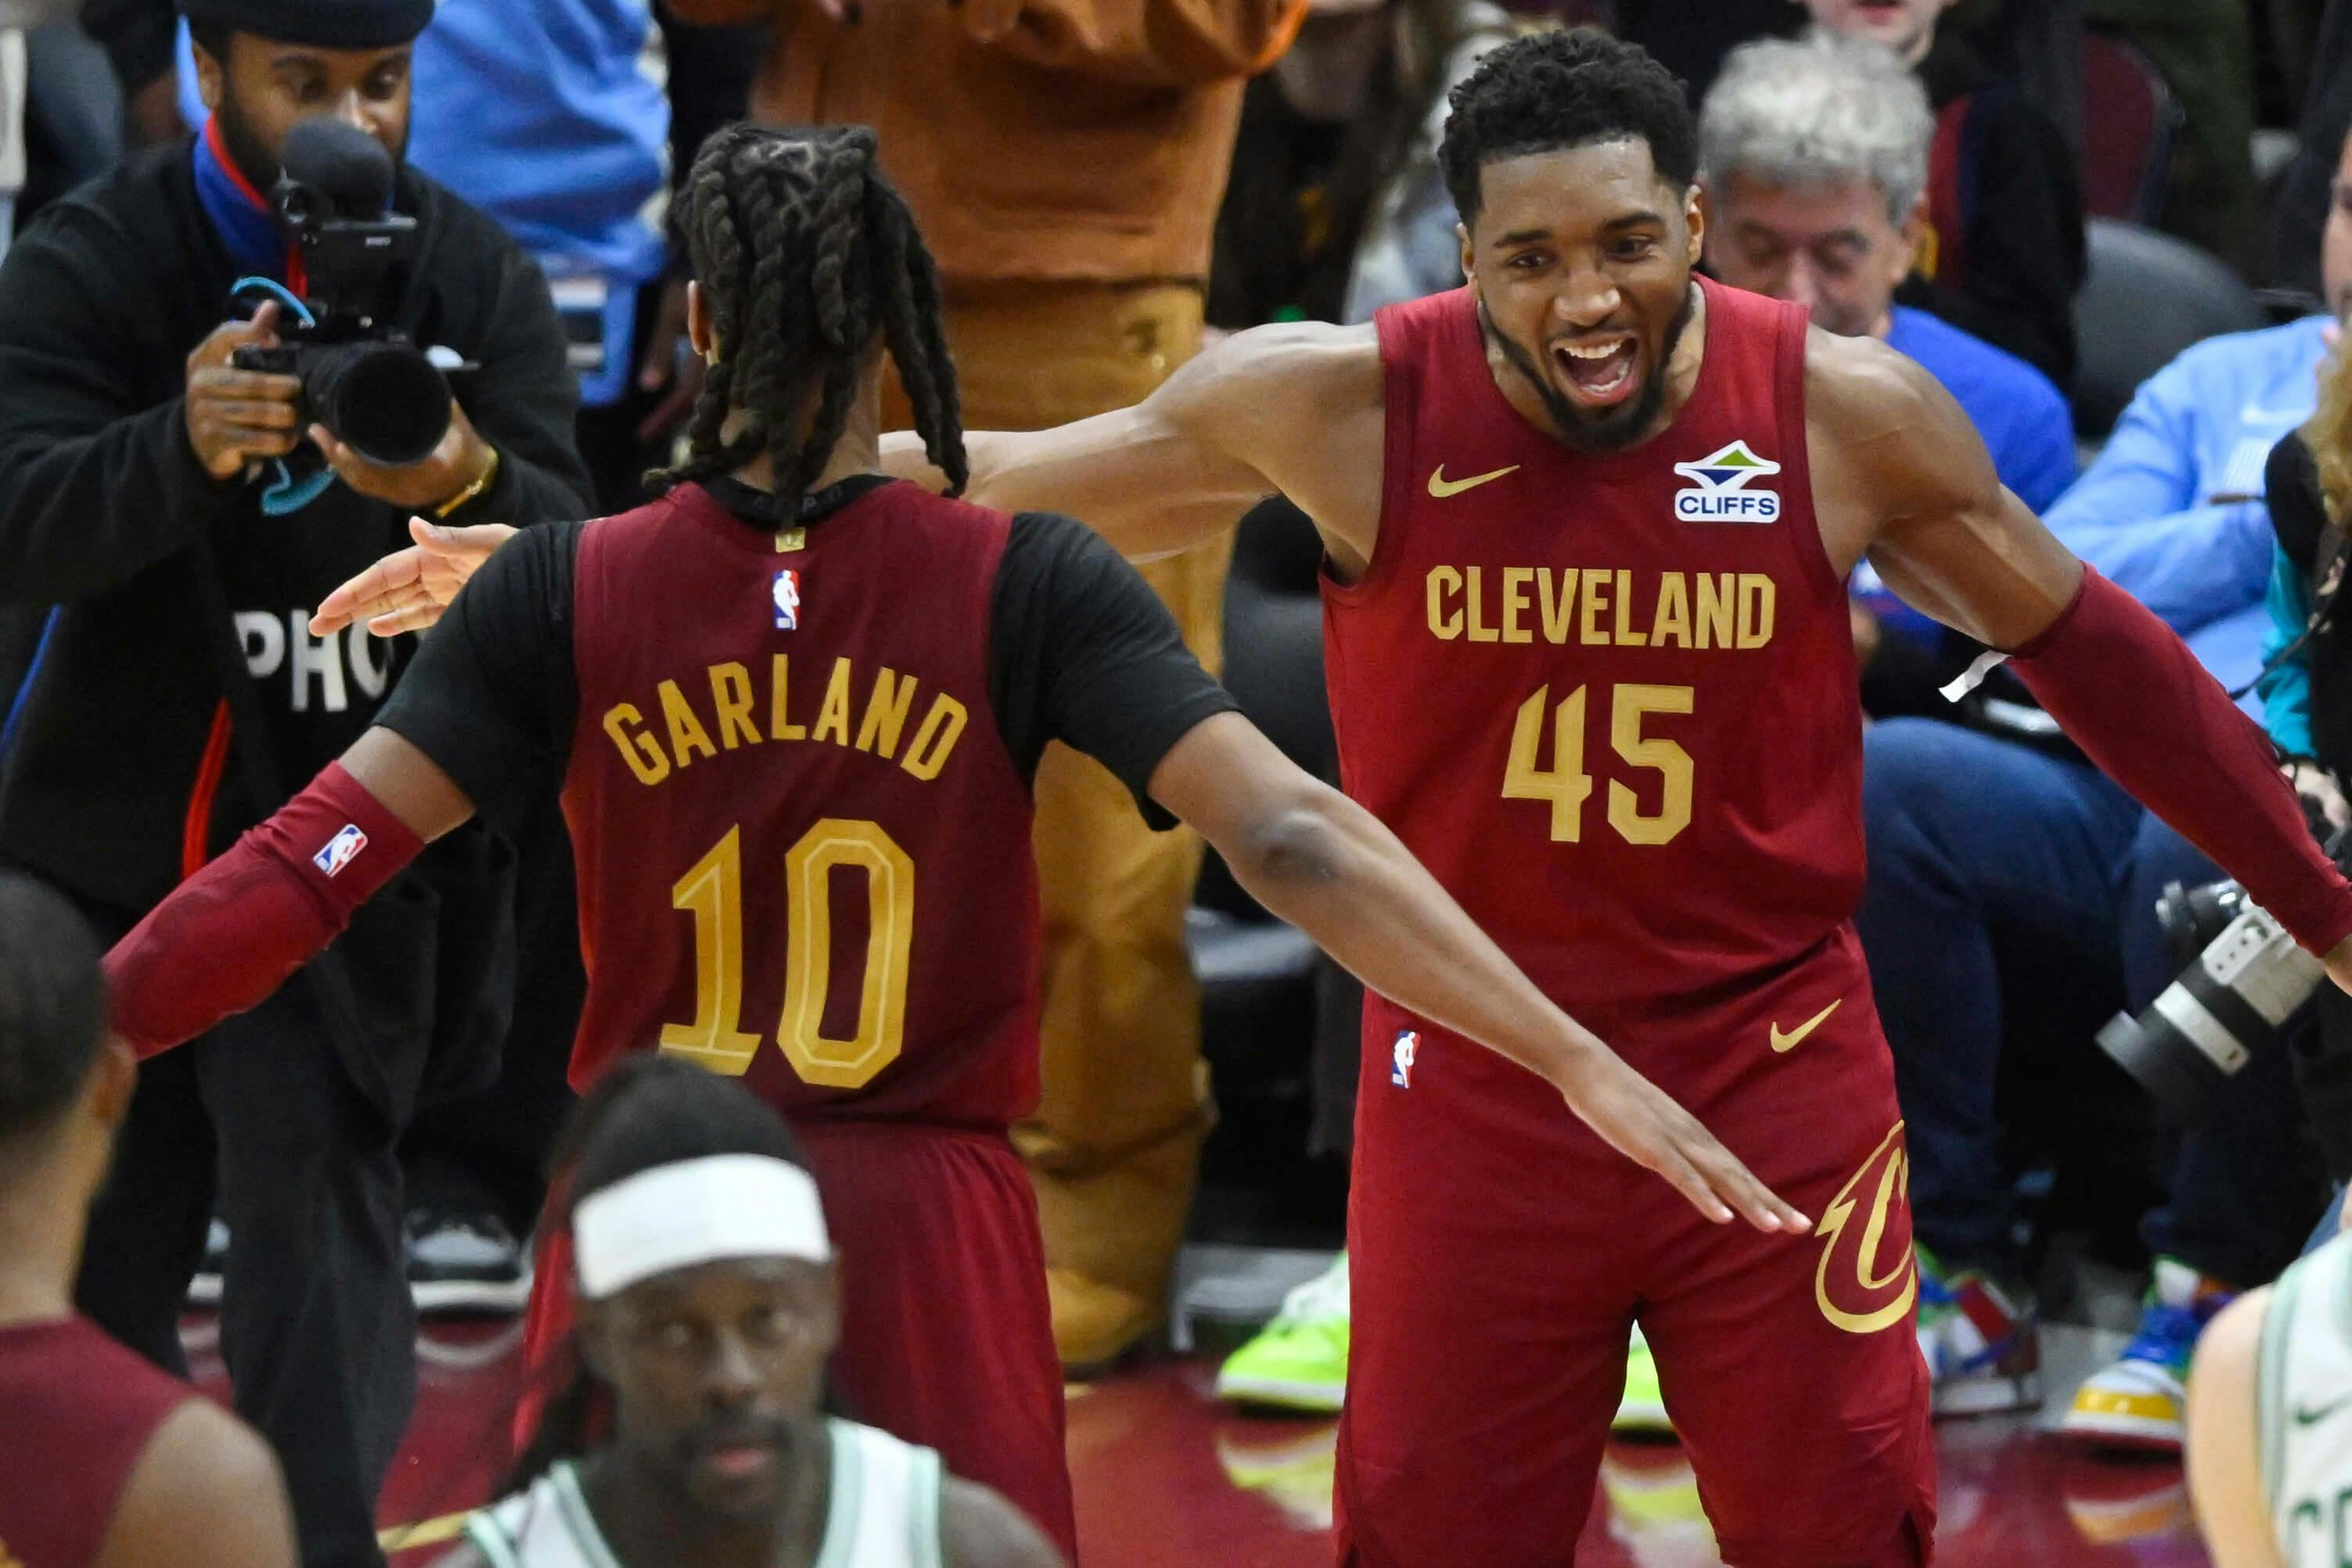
column 2021, row 200
column 106, row 515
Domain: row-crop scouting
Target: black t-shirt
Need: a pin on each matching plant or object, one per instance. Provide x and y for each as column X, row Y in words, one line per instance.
column 1080, row 651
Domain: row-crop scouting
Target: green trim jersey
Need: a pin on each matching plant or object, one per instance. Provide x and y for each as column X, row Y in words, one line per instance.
column 882, row 1511
column 2302, row 1406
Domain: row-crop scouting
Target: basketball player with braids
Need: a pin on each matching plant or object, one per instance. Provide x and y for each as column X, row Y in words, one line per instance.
column 796, row 706
column 690, row 1435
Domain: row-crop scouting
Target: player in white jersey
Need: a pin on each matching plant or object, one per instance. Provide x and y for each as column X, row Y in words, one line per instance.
column 707, row 1305
column 2270, row 1420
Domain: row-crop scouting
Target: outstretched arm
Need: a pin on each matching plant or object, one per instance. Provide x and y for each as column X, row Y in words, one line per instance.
column 1901, row 473
column 1317, row 859
column 1294, row 408
column 2224, row 1476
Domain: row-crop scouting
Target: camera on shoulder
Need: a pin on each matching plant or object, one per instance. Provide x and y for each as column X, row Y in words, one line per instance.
column 362, row 378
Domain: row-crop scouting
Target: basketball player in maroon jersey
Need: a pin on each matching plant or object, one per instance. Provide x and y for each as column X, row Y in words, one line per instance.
column 796, row 706
column 110, row 1463
column 1587, row 522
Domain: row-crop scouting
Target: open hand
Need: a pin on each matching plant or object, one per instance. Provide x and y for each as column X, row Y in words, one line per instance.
column 1642, row 1122
column 408, row 589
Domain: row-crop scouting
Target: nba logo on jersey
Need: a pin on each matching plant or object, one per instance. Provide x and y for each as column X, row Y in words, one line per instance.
column 1721, row 494
column 342, row 850
column 1408, row 1046
column 787, row 593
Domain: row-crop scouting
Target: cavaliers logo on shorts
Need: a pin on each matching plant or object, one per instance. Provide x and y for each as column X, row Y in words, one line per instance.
column 1868, row 1279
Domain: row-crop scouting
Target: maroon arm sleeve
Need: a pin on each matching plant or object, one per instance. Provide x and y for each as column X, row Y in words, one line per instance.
column 2129, row 692
column 229, row 935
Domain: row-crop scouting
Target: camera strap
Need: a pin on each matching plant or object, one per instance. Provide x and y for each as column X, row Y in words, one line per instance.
column 2327, row 586
column 330, row 982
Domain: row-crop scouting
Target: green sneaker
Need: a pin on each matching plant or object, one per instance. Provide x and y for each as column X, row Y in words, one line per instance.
column 1300, row 1360
column 1644, row 1408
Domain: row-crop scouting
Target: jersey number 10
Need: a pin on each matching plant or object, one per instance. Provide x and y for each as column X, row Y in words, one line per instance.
column 713, row 892
column 1565, row 783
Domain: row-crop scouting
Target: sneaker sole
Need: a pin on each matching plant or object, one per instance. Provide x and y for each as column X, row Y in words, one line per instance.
column 1991, row 1396
column 1318, row 1398
column 504, row 1296
column 2138, row 1434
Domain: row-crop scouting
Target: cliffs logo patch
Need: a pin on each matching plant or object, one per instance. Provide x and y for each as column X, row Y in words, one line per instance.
column 340, row 850
column 1408, row 1046
column 786, row 592
column 1725, row 489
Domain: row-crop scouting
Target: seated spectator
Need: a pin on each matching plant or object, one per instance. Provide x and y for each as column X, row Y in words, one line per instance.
column 2005, row 254
column 709, row 1303
column 1814, row 157
column 1973, row 836
column 132, row 1469
column 2270, row 1448
column 1337, row 156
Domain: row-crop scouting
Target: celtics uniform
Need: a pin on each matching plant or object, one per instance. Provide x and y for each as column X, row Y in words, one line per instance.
column 882, row 1512
column 2304, row 1408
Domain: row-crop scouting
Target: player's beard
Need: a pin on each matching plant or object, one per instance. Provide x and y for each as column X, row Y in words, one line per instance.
column 1618, row 428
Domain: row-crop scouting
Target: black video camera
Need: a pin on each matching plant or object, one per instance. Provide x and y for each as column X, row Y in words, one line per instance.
column 363, row 380
column 2244, row 982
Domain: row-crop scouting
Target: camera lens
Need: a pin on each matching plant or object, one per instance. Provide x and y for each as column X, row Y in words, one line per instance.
column 386, row 401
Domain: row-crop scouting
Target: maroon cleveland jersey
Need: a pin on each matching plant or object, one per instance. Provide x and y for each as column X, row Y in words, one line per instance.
column 786, row 787
column 1610, row 698
column 79, row 1411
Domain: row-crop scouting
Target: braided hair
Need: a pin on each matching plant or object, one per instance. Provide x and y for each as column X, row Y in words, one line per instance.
column 805, row 252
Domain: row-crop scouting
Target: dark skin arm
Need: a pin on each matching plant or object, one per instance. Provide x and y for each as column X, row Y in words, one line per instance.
column 205, row 1494
column 1900, row 474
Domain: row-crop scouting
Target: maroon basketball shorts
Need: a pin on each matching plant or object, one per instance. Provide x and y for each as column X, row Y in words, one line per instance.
column 1499, row 1254
column 946, row 1337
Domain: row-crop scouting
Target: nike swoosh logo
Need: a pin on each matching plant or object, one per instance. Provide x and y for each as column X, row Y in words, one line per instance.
column 1441, row 487
column 2307, row 1417
column 1796, row 1036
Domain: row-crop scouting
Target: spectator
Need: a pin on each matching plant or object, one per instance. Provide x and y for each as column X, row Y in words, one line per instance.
column 1973, row 838
column 1066, row 158
column 2306, row 688
column 2309, row 191
column 715, row 1452
column 164, row 507
column 2004, row 254
column 2204, row 50
column 1814, row 156
column 110, row 1463
column 1337, row 156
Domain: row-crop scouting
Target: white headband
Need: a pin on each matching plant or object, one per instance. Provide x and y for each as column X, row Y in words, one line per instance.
column 695, row 1211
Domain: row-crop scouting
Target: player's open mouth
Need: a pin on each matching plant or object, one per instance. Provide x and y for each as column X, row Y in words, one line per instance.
column 1598, row 375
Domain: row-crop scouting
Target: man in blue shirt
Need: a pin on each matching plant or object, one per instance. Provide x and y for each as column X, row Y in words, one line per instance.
column 1814, row 156
column 1976, row 840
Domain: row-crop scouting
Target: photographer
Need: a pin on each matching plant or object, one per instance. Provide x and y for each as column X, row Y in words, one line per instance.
column 175, row 515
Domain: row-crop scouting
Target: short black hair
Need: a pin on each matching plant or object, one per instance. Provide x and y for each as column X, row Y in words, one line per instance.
column 52, row 1005
column 1554, row 90
column 647, row 1112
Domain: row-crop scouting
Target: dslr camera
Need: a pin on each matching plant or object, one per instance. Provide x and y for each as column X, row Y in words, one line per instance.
column 2244, row 982
column 381, row 396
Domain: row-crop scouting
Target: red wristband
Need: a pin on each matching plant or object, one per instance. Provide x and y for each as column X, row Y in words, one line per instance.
column 230, row 935
column 2129, row 691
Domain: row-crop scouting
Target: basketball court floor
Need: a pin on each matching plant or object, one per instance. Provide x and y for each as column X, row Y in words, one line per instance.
column 1168, row 1478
